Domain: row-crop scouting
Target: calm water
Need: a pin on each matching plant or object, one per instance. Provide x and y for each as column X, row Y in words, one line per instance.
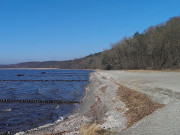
column 17, row 116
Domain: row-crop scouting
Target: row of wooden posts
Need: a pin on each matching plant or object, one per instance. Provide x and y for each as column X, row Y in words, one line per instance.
column 39, row 101
column 39, row 80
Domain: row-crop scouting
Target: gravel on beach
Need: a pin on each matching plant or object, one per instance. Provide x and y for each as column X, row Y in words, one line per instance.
column 102, row 106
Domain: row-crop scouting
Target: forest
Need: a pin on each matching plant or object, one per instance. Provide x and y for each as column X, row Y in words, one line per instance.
column 158, row 47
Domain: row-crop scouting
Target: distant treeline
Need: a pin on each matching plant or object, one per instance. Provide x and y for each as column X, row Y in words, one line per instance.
column 88, row 62
column 158, row 47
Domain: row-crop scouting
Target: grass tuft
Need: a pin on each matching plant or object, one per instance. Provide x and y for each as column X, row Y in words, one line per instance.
column 93, row 129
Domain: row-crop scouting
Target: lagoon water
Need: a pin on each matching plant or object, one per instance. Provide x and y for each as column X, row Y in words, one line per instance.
column 65, row 85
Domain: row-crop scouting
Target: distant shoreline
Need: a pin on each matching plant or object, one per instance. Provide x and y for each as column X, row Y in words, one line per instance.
column 44, row 69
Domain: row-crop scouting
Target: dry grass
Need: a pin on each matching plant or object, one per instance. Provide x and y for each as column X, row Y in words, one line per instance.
column 142, row 71
column 139, row 104
column 92, row 129
column 98, row 69
column 171, row 70
column 103, row 89
column 103, row 77
column 149, row 71
column 60, row 133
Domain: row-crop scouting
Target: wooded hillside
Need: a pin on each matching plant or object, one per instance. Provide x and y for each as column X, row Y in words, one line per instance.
column 158, row 47
column 88, row 62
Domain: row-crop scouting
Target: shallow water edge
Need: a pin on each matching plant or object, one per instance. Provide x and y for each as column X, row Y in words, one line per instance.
column 16, row 94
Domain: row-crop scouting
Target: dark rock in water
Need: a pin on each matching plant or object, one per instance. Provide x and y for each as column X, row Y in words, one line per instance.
column 20, row 75
column 43, row 72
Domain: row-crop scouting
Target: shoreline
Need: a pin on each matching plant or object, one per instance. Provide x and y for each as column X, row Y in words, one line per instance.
column 44, row 69
column 93, row 110
column 103, row 110
column 49, row 128
column 54, row 115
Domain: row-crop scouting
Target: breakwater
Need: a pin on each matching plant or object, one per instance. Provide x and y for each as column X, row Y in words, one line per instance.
column 42, row 80
column 39, row 101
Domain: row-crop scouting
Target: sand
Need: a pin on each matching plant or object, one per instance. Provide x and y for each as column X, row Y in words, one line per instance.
column 104, row 107
column 161, row 87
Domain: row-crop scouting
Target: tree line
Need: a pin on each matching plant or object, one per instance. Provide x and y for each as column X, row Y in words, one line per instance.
column 158, row 47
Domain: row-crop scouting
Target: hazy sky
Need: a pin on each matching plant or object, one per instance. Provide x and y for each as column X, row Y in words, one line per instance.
column 41, row 30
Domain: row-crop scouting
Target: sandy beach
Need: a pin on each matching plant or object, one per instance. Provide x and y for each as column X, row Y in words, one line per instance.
column 123, row 103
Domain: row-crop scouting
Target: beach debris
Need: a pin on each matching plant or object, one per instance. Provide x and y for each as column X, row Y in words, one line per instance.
column 60, row 119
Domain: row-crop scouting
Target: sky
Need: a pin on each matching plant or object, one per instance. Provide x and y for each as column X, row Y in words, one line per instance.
column 43, row 30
